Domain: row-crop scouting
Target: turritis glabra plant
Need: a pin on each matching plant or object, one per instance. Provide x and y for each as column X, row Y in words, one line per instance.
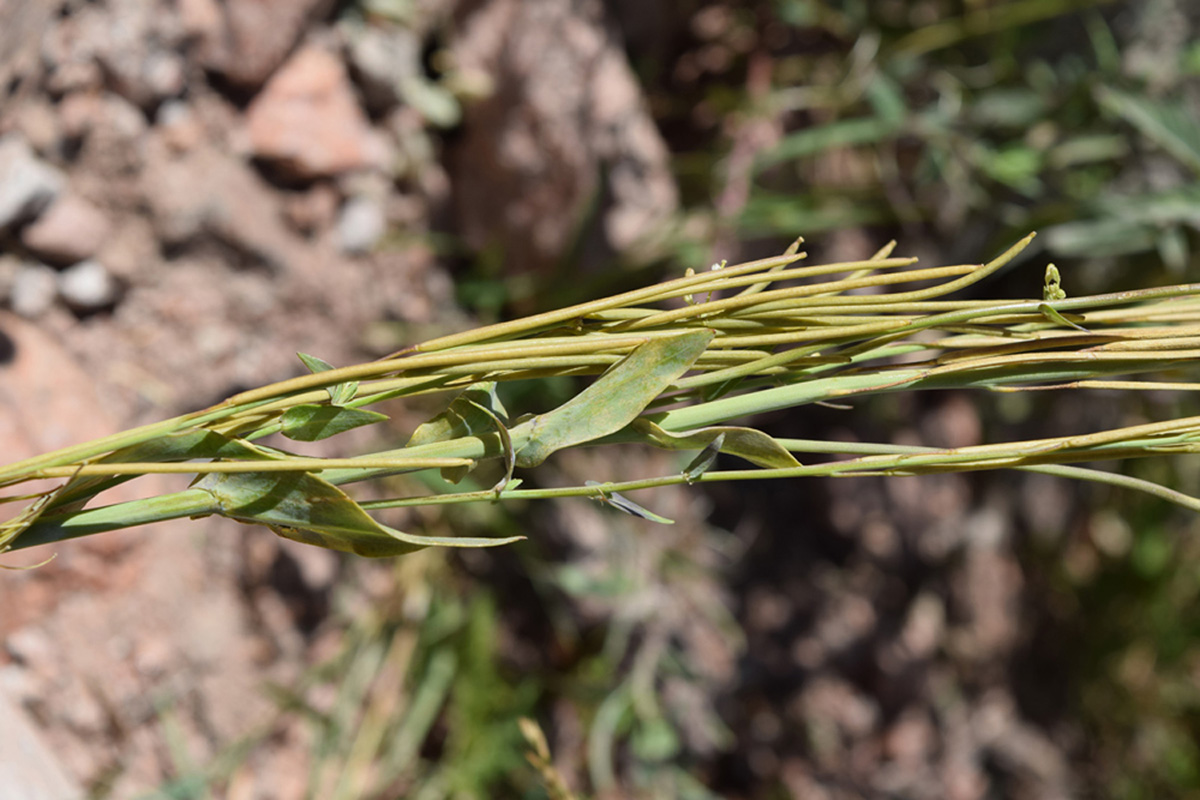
column 676, row 362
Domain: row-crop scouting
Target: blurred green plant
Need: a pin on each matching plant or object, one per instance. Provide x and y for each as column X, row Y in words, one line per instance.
column 995, row 117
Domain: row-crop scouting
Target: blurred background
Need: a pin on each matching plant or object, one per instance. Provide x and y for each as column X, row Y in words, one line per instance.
column 193, row 190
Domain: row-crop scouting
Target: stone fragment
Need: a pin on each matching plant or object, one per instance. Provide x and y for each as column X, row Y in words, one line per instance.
column 148, row 80
column 28, row 765
column 87, row 286
column 312, row 210
column 119, row 123
column 244, row 41
column 47, row 401
column 209, row 193
column 138, row 49
column 566, row 115
column 27, row 184
column 29, row 647
column 179, row 126
column 202, row 20
column 70, row 50
column 25, row 21
column 307, row 123
column 77, row 113
column 111, row 129
column 131, row 253
column 33, row 290
column 37, row 121
column 70, row 230
column 361, row 225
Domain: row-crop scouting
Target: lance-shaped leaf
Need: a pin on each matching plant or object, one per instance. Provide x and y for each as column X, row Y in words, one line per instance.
column 305, row 508
column 1058, row 318
column 339, row 393
column 510, row 455
column 171, row 447
column 475, row 412
column 472, row 413
column 705, row 459
column 310, row 422
column 623, row 503
column 753, row 445
column 614, row 400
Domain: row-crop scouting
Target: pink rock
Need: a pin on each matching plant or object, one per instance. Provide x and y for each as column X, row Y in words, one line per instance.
column 137, row 46
column 47, row 399
column 78, row 112
column 70, row 230
column 31, row 769
column 246, row 40
column 201, row 20
column 209, row 193
column 307, row 122
column 525, row 172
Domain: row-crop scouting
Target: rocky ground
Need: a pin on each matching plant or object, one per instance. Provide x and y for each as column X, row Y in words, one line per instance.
column 191, row 191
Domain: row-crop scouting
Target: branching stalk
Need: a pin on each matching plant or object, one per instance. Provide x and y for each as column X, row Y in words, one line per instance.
column 681, row 364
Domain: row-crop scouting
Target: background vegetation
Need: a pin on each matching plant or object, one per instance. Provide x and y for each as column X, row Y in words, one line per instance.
column 963, row 636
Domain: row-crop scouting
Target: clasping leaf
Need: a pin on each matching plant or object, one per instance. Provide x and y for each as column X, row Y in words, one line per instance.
column 614, row 400
column 623, row 503
column 305, row 508
column 311, row 422
column 475, row 412
column 753, row 445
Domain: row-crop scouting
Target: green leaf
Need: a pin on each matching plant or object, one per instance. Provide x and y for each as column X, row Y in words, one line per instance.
column 311, row 423
column 887, row 99
column 623, row 503
column 774, row 214
column 706, row 458
column 1058, row 319
column 1127, row 223
column 472, row 413
column 1108, row 236
column 340, row 393
column 753, row 445
column 315, row 364
column 614, row 400
column 181, row 446
column 1166, row 124
column 818, row 139
column 475, row 412
column 433, row 102
column 510, row 455
column 1173, row 249
column 1016, row 166
column 302, row 507
column 655, row 740
column 1018, row 108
